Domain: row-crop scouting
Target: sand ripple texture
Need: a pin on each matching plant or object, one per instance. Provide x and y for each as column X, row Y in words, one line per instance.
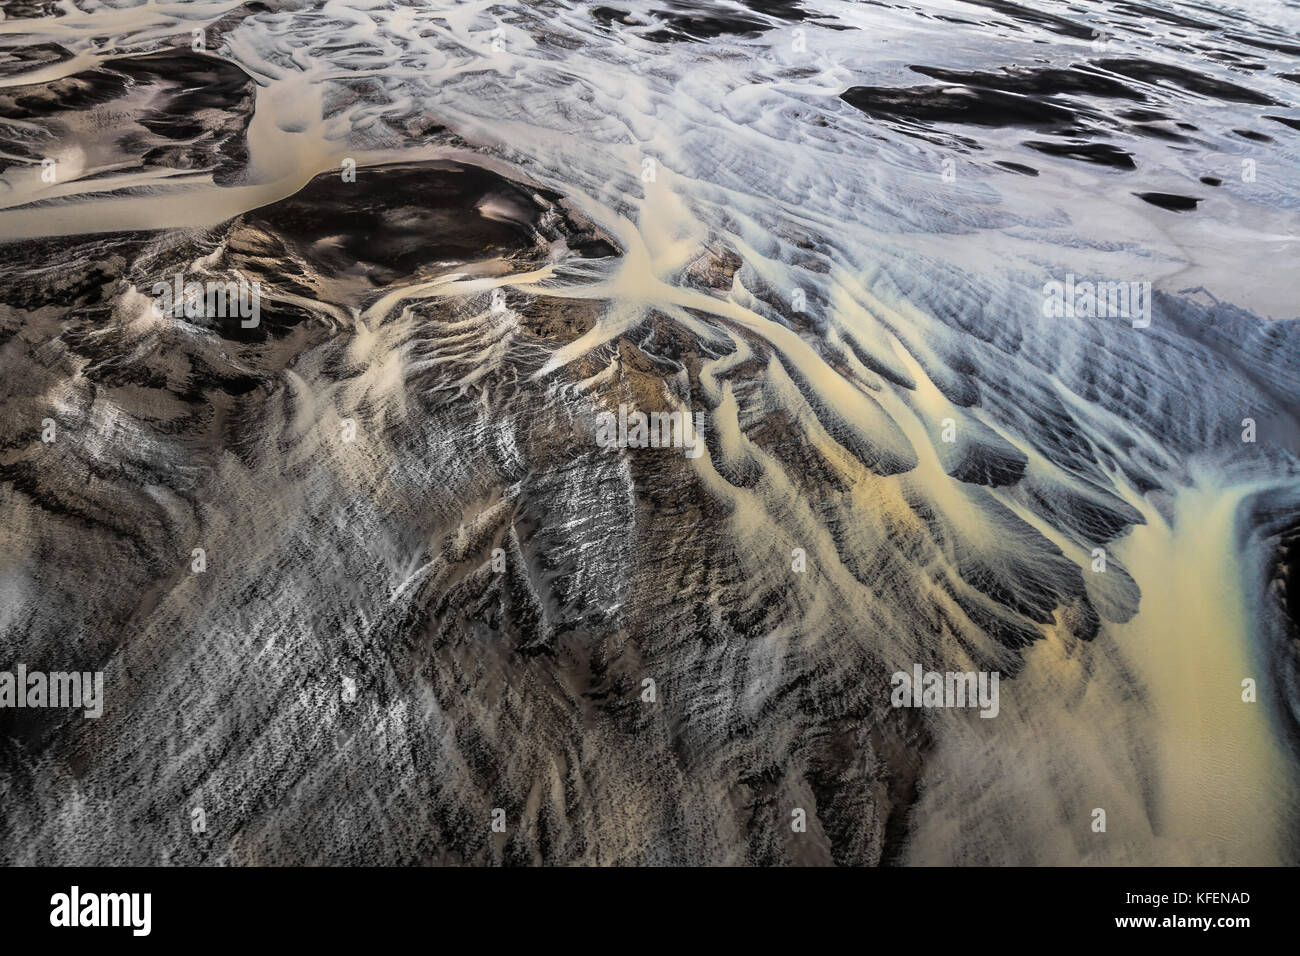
column 427, row 591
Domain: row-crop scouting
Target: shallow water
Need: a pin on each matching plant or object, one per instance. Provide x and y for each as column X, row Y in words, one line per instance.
column 829, row 227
